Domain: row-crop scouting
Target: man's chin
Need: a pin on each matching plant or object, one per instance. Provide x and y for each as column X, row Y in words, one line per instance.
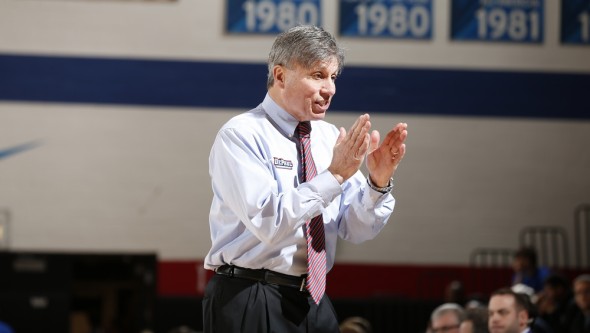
column 318, row 115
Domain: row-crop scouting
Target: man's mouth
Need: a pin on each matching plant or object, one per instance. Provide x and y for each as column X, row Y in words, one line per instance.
column 323, row 104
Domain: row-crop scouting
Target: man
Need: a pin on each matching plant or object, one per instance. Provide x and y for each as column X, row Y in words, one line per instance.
column 509, row 312
column 446, row 318
column 554, row 301
column 526, row 269
column 579, row 320
column 476, row 321
column 283, row 194
column 356, row 324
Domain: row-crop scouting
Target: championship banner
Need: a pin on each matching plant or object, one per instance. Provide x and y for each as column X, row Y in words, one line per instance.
column 270, row 16
column 575, row 22
column 398, row 19
column 517, row 21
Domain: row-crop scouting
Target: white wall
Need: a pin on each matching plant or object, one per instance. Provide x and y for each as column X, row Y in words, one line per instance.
column 135, row 178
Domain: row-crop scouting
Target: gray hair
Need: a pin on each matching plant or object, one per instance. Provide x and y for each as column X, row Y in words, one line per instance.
column 303, row 45
column 446, row 308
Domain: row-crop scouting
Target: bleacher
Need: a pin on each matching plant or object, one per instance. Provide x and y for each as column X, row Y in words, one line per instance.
column 394, row 298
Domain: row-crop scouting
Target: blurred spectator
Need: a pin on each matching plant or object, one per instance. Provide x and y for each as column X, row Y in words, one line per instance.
column 476, row 321
column 455, row 293
column 524, row 289
column 509, row 312
column 553, row 302
column 476, row 300
column 579, row 320
column 182, row 329
column 446, row 318
column 537, row 324
column 526, row 269
column 355, row 325
column 4, row 328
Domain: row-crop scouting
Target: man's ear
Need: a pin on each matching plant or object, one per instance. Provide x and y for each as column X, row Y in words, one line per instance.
column 523, row 318
column 278, row 73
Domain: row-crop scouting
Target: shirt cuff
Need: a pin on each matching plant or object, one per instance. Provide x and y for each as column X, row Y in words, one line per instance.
column 327, row 186
column 372, row 198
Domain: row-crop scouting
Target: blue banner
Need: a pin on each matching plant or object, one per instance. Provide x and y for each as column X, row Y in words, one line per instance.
column 194, row 84
column 270, row 16
column 575, row 22
column 405, row 19
column 519, row 21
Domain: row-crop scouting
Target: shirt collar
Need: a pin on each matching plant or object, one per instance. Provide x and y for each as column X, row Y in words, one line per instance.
column 285, row 122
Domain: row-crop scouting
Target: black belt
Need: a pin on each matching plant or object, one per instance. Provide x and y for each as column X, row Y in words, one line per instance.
column 263, row 275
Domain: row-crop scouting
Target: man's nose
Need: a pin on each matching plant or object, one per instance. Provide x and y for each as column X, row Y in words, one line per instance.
column 328, row 88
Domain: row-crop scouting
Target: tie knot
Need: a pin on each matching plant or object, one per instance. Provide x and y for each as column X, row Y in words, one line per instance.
column 304, row 128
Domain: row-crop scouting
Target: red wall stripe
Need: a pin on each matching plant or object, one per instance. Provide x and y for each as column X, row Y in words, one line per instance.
column 354, row 280
column 346, row 280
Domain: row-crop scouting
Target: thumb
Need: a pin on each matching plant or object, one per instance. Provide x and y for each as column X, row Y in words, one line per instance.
column 374, row 141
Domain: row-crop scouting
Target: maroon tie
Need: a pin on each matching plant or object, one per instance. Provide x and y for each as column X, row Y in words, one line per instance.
column 316, row 249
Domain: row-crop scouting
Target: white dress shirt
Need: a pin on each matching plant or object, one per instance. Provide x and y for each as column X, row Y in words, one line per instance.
column 259, row 206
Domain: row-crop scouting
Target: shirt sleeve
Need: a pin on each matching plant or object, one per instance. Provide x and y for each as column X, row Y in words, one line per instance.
column 244, row 180
column 364, row 211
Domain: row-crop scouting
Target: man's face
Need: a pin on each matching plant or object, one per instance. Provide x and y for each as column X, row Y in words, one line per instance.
column 446, row 323
column 308, row 91
column 520, row 264
column 554, row 293
column 504, row 317
column 582, row 295
column 466, row 327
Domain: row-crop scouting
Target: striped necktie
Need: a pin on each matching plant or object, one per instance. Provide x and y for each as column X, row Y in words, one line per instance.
column 316, row 249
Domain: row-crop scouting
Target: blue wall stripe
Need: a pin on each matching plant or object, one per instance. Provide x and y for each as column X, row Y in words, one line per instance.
column 240, row 85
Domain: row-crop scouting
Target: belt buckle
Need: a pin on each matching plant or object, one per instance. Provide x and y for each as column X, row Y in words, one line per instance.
column 302, row 284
